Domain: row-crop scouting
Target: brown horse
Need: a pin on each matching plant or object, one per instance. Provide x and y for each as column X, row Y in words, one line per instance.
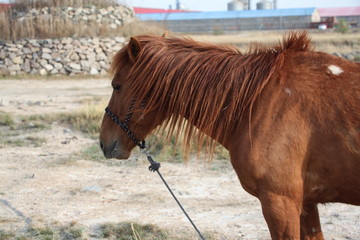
column 289, row 116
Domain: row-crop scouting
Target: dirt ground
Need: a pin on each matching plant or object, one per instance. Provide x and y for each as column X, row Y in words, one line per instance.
column 44, row 185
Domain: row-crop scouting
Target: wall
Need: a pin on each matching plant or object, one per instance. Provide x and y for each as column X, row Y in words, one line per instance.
column 65, row 56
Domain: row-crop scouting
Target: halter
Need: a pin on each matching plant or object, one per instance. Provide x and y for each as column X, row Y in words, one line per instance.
column 124, row 126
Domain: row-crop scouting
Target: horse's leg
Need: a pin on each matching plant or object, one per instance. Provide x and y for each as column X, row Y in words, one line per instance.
column 282, row 215
column 310, row 223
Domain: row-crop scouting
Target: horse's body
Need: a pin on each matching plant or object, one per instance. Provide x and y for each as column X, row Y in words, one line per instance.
column 289, row 116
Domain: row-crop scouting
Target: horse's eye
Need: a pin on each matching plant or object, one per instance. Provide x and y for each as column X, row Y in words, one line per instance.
column 116, row 87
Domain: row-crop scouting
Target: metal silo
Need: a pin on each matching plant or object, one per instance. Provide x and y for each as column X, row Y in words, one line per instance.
column 235, row 5
column 264, row 4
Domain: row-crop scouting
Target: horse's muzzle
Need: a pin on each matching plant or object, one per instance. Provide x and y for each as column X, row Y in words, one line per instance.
column 113, row 150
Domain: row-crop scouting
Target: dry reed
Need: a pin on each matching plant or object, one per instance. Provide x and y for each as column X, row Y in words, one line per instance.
column 53, row 25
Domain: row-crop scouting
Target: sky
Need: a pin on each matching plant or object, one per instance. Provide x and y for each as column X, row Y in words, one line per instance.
column 221, row 5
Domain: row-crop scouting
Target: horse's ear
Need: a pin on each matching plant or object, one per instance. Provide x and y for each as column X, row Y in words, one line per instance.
column 134, row 48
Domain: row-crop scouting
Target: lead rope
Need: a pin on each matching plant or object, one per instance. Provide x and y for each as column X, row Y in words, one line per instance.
column 154, row 166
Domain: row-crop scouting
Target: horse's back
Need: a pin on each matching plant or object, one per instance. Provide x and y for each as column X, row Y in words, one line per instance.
column 328, row 90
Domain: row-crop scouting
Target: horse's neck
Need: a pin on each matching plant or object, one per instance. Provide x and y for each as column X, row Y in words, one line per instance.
column 195, row 116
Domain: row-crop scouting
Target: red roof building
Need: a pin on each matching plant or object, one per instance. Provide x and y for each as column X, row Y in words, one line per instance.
column 349, row 14
column 139, row 10
column 4, row 6
column 339, row 12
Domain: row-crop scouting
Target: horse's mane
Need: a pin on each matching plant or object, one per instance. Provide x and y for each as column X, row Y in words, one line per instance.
column 212, row 86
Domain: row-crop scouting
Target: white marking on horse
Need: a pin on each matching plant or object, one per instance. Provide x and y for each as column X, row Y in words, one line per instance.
column 288, row 91
column 335, row 70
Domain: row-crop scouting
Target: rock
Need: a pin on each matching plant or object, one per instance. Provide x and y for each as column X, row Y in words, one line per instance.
column 101, row 56
column 4, row 102
column 17, row 60
column 74, row 56
column 120, row 39
column 98, row 50
column 38, row 103
column 85, row 65
column 8, row 62
column 92, row 188
column 104, row 65
column 46, row 56
column 58, row 66
column 27, row 51
column 54, row 71
column 350, row 57
column 96, row 65
column 67, row 130
column 75, row 66
column 94, row 71
column 46, row 50
column 4, row 71
column 49, row 67
column 43, row 72
column 91, row 57
column 103, row 11
column 103, row 72
column 26, row 66
column 15, row 67
column 82, row 56
column 43, row 62
column 2, row 54
column 13, row 49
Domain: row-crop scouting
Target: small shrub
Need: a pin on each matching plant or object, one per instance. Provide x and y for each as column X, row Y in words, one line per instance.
column 86, row 120
column 6, row 119
column 45, row 233
column 6, row 235
column 125, row 231
column 342, row 26
column 36, row 141
column 93, row 152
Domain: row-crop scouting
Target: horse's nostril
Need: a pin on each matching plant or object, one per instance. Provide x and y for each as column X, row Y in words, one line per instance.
column 108, row 150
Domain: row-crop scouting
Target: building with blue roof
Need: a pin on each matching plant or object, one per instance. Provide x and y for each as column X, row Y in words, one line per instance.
column 234, row 21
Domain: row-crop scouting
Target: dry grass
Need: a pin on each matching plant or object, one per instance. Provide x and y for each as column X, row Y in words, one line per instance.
column 326, row 41
column 56, row 26
column 53, row 231
column 26, row 4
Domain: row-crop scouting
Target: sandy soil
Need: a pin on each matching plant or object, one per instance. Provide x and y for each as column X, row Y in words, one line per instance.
column 45, row 185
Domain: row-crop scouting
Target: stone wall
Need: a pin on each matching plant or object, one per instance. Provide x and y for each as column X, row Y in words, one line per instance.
column 65, row 56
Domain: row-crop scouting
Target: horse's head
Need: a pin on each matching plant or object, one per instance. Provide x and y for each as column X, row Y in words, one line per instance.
column 129, row 110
